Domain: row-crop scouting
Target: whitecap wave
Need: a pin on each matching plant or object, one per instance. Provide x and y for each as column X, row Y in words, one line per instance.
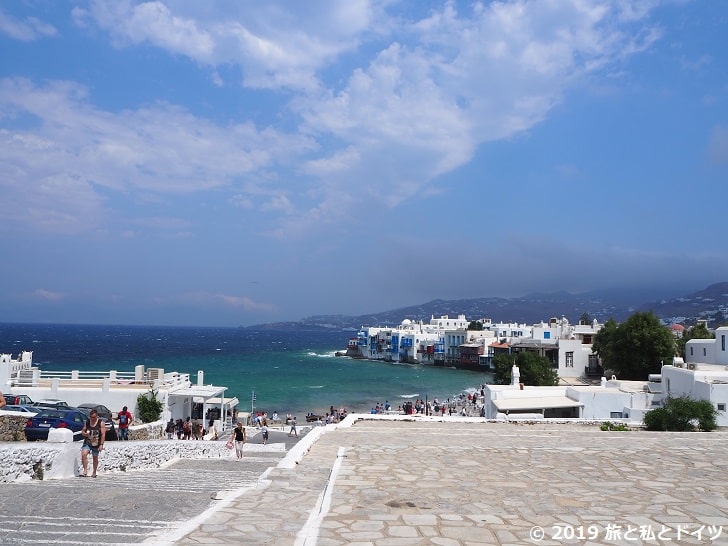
column 316, row 386
column 415, row 395
column 321, row 355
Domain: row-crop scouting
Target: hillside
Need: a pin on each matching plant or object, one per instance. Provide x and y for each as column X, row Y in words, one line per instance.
column 710, row 303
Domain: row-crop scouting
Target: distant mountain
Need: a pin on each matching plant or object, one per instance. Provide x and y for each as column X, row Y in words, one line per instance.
column 710, row 303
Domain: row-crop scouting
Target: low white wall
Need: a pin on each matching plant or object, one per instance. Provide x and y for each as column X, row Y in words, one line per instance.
column 46, row 460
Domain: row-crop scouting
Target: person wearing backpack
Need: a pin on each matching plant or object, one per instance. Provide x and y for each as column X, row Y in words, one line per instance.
column 125, row 419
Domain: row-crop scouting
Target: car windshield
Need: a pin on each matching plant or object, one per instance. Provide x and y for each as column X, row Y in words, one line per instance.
column 51, row 414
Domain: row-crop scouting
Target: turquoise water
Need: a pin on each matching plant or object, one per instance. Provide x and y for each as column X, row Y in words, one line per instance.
column 290, row 372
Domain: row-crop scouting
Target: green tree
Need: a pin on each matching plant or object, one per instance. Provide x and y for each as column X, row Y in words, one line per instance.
column 699, row 331
column 534, row 369
column 475, row 325
column 635, row 348
column 148, row 407
column 682, row 415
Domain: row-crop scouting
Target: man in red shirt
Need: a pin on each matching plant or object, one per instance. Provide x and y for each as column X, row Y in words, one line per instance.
column 125, row 419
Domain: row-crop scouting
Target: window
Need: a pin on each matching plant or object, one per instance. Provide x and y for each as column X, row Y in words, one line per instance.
column 547, row 335
column 691, row 351
column 615, row 414
column 570, row 359
column 722, row 342
column 721, row 407
column 705, row 351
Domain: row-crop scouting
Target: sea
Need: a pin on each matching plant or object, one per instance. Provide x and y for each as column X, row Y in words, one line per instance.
column 289, row 371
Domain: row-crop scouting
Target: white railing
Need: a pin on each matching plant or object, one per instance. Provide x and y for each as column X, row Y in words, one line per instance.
column 92, row 378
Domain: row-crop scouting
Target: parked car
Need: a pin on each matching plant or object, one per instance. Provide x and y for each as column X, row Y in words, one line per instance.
column 52, row 403
column 102, row 410
column 18, row 400
column 111, row 433
column 22, row 409
column 37, row 427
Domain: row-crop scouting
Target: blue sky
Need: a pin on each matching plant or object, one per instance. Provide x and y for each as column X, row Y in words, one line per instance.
column 236, row 163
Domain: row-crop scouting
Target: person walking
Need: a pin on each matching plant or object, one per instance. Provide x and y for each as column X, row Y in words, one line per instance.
column 264, row 431
column 239, row 438
column 125, row 419
column 170, row 429
column 293, row 430
column 94, row 434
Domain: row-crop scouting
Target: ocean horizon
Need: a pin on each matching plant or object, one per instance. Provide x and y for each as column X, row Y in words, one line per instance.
column 293, row 372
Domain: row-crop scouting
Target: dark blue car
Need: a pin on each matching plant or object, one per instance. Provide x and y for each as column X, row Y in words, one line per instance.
column 37, row 427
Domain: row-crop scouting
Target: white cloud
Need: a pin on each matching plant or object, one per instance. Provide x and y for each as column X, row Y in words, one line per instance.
column 276, row 46
column 244, row 303
column 378, row 118
column 48, row 295
column 455, row 80
column 159, row 148
column 27, row 30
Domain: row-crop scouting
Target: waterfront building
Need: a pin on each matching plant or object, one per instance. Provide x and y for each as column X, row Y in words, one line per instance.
column 447, row 341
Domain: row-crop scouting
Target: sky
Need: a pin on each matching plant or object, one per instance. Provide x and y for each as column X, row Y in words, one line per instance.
column 236, row 163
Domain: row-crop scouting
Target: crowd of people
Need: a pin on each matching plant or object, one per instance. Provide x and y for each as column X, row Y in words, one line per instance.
column 189, row 429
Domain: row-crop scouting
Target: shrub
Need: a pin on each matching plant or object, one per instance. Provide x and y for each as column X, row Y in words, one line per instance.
column 682, row 414
column 608, row 425
column 149, row 408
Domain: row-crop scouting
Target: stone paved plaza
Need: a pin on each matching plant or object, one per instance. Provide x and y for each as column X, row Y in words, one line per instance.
column 465, row 483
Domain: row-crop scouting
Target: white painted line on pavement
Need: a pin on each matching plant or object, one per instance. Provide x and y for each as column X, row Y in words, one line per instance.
column 308, row 535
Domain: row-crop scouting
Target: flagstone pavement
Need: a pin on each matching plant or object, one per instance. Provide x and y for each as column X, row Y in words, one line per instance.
column 455, row 482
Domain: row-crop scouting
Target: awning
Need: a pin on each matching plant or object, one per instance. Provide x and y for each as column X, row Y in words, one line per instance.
column 229, row 402
column 544, row 402
column 200, row 391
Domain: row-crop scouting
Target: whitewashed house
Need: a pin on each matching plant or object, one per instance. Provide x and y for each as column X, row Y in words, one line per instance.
column 610, row 400
column 703, row 375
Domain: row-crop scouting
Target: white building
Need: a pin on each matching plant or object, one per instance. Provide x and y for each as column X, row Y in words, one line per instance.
column 179, row 396
column 704, row 373
column 568, row 347
column 447, row 341
column 613, row 399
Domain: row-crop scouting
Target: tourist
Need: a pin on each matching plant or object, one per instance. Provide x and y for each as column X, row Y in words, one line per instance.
column 264, row 431
column 169, row 429
column 94, row 434
column 239, row 438
column 125, row 419
column 293, row 430
column 179, row 429
column 187, row 428
column 2, row 402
